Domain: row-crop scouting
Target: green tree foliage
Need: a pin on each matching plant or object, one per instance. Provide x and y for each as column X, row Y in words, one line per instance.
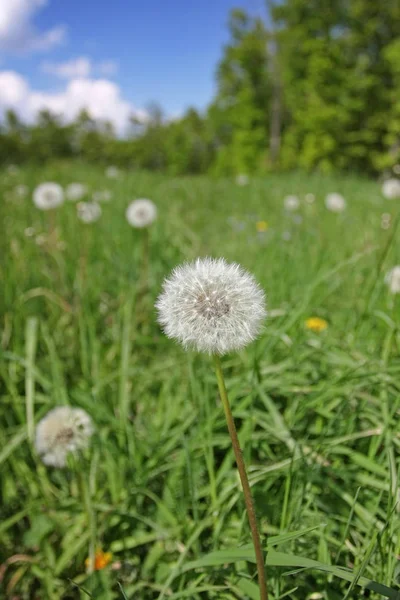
column 338, row 67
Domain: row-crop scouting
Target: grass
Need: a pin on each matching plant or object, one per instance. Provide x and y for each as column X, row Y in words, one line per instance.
column 317, row 414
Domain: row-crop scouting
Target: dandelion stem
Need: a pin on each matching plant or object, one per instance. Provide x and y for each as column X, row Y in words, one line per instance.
column 244, row 479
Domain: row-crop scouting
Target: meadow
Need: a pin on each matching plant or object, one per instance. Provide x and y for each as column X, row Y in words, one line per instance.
column 316, row 411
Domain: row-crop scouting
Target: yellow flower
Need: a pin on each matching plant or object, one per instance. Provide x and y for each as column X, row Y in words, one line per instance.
column 101, row 560
column 316, row 324
column 261, row 226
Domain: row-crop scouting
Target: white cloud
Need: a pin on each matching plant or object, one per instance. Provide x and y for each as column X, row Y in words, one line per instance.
column 17, row 32
column 79, row 67
column 100, row 97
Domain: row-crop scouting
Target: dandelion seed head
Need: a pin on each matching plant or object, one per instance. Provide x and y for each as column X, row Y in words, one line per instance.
column 141, row 213
column 335, row 202
column 310, row 198
column 62, row 431
column 88, row 212
column 48, row 195
column 75, row 191
column 102, row 196
column 21, row 190
column 391, row 188
column 392, row 280
column 291, row 203
column 211, row 306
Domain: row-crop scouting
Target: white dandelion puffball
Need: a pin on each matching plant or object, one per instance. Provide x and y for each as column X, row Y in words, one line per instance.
column 335, row 203
column 242, row 179
column 392, row 279
column 62, row 431
column 391, row 189
column 291, row 203
column 88, row 212
column 48, row 195
column 75, row 191
column 112, row 172
column 211, row 306
column 21, row 190
column 141, row 213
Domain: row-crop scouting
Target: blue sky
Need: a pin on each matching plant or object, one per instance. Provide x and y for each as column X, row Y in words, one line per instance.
column 155, row 50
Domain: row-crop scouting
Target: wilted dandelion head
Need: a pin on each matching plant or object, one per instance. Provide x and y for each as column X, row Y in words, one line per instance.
column 141, row 213
column 112, row 172
column 62, row 431
column 48, row 195
column 391, row 188
column 291, row 203
column 335, row 202
column 75, row 191
column 211, row 306
column 88, row 212
column 242, row 179
column 392, row 279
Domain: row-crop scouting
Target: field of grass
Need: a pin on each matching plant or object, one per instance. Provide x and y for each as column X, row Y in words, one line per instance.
column 317, row 413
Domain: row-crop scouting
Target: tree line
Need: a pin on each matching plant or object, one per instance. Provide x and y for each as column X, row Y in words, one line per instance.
column 315, row 85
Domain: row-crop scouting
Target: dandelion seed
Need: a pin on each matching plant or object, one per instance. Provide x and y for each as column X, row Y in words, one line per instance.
column 316, row 324
column 335, row 203
column 101, row 560
column 41, row 239
column 75, row 192
column 141, row 213
column 48, row 195
column 62, row 431
column 291, row 203
column 88, row 212
column 212, row 306
column 29, row 232
column 392, row 280
column 391, row 189
column 242, row 179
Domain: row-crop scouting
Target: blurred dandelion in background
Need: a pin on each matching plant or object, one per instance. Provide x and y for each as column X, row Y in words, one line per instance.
column 88, row 212
column 64, row 430
column 291, row 203
column 48, row 196
column 310, row 198
column 392, row 280
column 112, row 172
column 262, row 226
column 391, row 189
column 242, row 179
column 316, row 324
column 102, row 196
column 335, row 202
column 75, row 192
column 21, row 190
column 141, row 213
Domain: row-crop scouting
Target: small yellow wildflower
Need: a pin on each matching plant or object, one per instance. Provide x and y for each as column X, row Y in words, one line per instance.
column 261, row 226
column 101, row 560
column 316, row 324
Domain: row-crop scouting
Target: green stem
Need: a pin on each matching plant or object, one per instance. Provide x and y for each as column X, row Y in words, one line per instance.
column 244, row 479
